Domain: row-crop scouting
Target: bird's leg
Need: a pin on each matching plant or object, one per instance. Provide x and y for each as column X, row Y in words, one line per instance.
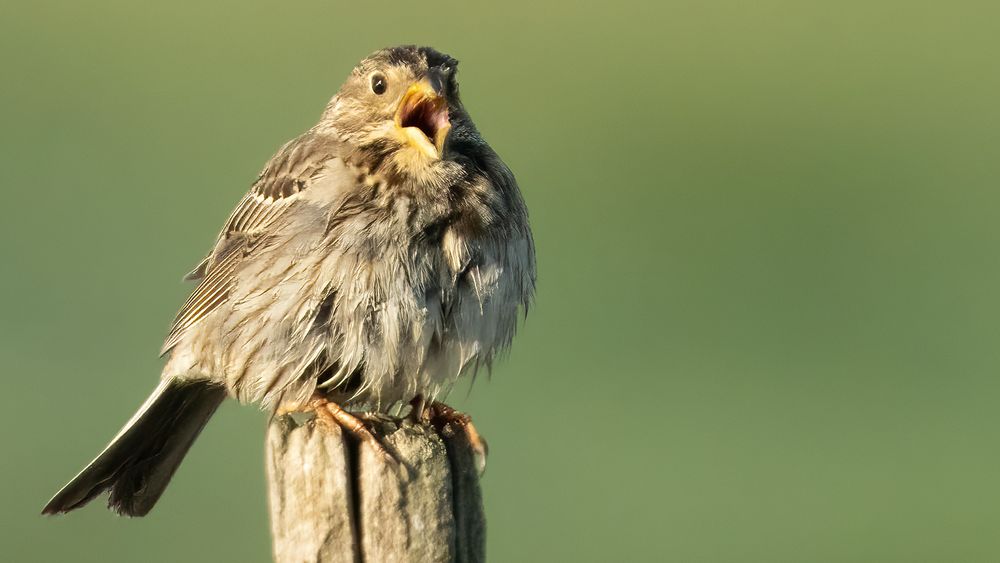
column 330, row 413
column 440, row 415
column 420, row 413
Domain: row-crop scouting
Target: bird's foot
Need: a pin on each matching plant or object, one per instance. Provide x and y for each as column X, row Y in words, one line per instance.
column 440, row 415
column 331, row 414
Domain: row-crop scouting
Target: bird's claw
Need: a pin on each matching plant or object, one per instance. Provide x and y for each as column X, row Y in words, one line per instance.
column 331, row 414
column 441, row 415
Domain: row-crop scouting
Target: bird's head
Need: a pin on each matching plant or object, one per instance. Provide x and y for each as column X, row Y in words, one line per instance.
column 400, row 102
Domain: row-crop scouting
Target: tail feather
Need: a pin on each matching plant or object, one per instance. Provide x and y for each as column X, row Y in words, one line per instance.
column 138, row 463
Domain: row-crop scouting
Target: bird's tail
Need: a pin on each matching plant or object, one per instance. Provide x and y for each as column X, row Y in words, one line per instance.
column 139, row 462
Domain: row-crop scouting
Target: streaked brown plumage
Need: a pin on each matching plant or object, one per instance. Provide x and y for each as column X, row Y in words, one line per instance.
column 379, row 256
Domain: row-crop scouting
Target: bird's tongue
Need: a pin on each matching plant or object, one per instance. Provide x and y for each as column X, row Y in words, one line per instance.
column 427, row 115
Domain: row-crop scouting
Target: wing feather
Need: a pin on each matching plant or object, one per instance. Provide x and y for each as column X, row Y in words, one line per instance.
column 275, row 191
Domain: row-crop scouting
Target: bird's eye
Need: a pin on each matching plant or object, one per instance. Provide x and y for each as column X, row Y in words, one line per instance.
column 379, row 84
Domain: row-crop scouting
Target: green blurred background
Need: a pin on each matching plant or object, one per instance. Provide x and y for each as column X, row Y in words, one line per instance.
column 768, row 245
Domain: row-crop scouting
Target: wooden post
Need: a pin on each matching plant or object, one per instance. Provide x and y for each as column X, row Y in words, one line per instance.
column 333, row 499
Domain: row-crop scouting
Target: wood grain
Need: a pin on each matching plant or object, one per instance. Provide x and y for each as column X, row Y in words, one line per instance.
column 333, row 499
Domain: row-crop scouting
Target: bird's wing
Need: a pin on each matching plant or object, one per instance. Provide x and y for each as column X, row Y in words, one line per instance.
column 277, row 189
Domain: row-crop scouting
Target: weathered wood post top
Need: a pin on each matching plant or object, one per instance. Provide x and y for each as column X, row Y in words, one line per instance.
column 335, row 499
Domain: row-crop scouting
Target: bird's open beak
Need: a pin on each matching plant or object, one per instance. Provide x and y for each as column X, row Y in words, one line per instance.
column 422, row 117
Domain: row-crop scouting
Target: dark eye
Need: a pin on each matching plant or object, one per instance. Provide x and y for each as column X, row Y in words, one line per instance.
column 379, row 84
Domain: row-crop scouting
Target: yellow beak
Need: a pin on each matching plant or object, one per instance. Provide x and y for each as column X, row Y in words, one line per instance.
column 422, row 118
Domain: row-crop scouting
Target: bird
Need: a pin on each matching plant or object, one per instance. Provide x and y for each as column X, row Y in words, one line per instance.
column 378, row 258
